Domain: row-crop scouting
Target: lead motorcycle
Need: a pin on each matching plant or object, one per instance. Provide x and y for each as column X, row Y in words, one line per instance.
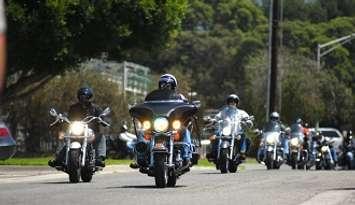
column 162, row 123
column 271, row 151
column 79, row 154
column 228, row 155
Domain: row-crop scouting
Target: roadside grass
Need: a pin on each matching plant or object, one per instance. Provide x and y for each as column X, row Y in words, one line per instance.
column 43, row 161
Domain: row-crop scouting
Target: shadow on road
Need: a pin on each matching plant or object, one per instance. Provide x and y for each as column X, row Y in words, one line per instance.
column 59, row 182
column 343, row 189
column 217, row 173
column 142, row 187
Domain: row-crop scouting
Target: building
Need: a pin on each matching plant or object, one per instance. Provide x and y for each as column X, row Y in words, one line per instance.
column 131, row 78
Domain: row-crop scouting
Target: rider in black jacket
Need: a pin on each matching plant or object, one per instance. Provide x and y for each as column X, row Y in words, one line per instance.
column 84, row 107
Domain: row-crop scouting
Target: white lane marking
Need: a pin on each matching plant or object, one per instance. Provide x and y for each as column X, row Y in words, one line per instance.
column 330, row 198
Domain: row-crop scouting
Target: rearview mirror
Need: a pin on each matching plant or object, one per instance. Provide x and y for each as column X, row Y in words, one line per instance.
column 197, row 103
column 53, row 113
column 106, row 112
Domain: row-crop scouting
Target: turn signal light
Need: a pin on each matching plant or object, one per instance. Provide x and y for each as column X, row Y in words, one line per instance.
column 147, row 137
column 4, row 132
column 177, row 136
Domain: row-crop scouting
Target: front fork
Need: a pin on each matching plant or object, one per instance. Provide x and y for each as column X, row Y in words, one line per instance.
column 171, row 150
column 83, row 151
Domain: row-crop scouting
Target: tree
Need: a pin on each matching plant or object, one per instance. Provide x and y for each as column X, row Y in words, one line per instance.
column 48, row 37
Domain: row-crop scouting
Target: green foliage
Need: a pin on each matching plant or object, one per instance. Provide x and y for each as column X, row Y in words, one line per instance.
column 49, row 37
column 60, row 93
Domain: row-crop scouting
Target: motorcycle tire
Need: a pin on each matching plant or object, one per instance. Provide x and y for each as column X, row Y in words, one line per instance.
column 171, row 179
column 269, row 161
column 74, row 170
column 223, row 162
column 160, row 171
column 86, row 175
column 293, row 161
column 301, row 165
column 232, row 168
column 351, row 165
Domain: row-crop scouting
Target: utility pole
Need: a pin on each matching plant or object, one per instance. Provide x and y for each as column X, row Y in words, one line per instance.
column 274, row 96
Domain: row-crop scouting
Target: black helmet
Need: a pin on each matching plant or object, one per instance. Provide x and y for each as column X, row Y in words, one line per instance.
column 167, row 81
column 232, row 98
column 84, row 94
column 274, row 116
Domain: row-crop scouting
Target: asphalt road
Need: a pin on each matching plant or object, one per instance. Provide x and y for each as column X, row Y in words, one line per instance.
column 120, row 185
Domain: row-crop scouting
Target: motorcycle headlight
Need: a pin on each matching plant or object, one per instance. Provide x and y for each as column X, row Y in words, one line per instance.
column 77, row 128
column 294, row 142
column 146, row 125
column 270, row 139
column 226, row 131
column 324, row 149
column 176, row 124
column 161, row 124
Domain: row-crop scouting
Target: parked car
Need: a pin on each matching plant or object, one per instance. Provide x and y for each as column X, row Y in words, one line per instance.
column 7, row 143
column 332, row 133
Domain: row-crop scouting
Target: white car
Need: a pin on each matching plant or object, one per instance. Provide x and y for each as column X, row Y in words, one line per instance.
column 7, row 143
column 332, row 133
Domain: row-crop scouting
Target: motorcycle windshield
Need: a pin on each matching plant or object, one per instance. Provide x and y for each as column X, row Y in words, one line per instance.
column 227, row 126
column 169, row 109
column 272, row 126
column 230, row 123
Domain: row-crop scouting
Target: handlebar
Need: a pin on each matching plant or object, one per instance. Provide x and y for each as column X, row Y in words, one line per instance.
column 87, row 120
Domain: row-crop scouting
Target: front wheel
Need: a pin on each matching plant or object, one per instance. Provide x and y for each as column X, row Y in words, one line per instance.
column 74, row 170
column 293, row 160
column 269, row 161
column 160, row 171
column 171, row 179
column 223, row 162
column 86, row 175
column 232, row 167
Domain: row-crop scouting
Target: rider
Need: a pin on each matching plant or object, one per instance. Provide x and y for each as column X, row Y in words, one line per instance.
column 167, row 90
column 232, row 102
column 84, row 107
column 348, row 144
column 275, row 118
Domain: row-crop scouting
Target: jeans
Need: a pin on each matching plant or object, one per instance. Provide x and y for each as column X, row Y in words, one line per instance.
column 285, row 146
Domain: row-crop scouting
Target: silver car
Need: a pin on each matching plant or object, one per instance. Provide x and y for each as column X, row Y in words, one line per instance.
column 7, row 143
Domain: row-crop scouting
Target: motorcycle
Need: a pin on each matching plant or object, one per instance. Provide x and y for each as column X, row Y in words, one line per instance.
column 79, row 154
column 324, row 159
column 298, row 149
column 270, row 146
column 161, row 124
column 228, row 156
column 122, row 145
